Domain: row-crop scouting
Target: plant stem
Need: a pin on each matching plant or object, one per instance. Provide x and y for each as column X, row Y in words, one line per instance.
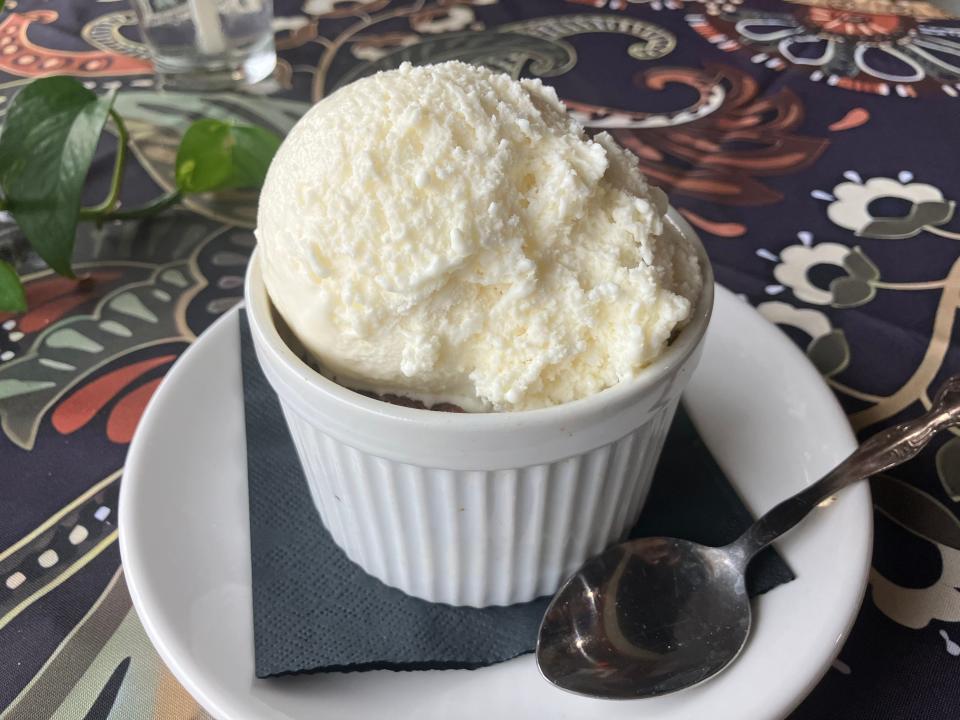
column 852, row 392
column 928, row 285
column 942, row 233
column 151, row 208
column 114, row 194
column 107, row 209
column 930, row 365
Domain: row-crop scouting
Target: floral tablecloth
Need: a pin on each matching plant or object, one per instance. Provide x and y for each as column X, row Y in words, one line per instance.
column 813, row 144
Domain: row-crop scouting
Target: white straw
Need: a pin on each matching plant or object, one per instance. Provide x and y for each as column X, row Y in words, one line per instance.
column 210, row 38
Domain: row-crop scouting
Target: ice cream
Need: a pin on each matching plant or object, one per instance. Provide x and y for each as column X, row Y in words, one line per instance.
column 448, row 234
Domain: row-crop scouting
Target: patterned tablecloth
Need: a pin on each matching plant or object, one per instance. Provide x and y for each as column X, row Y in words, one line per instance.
column 813, row 144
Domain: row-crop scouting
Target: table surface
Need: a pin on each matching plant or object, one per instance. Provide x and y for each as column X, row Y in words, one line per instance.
column 813, row 144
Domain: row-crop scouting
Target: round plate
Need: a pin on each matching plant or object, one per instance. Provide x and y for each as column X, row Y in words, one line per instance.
column 767, row 416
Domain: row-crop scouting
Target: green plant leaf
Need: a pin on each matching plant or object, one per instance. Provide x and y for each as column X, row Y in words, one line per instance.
column 830, row 353
column 12, row 297
column 215, row 155
column 948, row 467
column 46, row 148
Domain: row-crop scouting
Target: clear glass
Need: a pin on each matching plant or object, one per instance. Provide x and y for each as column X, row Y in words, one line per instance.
column 208, row 44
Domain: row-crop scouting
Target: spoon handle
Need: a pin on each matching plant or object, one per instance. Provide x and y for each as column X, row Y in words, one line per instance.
column 888, row 448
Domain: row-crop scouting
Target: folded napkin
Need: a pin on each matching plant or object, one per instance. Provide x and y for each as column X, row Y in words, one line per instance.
column 315, row 610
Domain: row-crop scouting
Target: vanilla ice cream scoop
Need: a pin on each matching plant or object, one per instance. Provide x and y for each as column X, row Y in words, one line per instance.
column 446, row 233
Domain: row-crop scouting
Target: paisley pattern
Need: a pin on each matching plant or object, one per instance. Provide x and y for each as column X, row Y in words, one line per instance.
column 722, row 154
column 20, row 56
column 906, row 50
column 810, row 142
column 540, row 46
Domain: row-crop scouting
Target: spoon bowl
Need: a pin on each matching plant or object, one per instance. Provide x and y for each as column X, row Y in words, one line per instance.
column 651, row 616
column 645, row 618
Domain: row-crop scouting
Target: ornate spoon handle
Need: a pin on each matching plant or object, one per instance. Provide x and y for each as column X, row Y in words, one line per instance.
column 888, row 448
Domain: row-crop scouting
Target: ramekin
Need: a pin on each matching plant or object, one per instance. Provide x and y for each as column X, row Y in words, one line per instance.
column 477, row 508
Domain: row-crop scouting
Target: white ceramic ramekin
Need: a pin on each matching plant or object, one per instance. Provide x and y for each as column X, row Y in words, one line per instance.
column 477, row 508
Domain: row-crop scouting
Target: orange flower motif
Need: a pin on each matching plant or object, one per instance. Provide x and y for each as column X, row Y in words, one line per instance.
column 876, row 48
column 863, row 25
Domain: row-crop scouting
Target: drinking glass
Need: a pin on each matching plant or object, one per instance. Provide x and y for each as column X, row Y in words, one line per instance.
column 208, row 44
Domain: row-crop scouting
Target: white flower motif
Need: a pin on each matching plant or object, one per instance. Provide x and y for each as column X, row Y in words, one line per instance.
column 323, row 7
column 851, row 208
column 290, row 22
column 813, row 322
column 928, row 521
column 917, row 607
column 828, row 349
column 796, row 262
column 854, row 289
column 373, row 48
column 451, row 19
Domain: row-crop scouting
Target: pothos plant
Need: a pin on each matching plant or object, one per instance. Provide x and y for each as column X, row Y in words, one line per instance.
column 47, row 143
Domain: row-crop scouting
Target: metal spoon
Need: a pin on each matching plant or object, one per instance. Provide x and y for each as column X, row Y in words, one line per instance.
column 655, row 615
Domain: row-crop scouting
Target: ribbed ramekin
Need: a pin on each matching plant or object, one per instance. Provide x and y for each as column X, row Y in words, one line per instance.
column 477, row 508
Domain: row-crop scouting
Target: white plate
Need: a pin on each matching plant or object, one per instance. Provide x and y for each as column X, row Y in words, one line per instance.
column 769, row 419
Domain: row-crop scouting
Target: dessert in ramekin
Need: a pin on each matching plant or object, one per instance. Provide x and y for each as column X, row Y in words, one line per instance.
column 450, row 236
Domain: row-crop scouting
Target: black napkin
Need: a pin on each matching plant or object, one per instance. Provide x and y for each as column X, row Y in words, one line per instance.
column 315, row 610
